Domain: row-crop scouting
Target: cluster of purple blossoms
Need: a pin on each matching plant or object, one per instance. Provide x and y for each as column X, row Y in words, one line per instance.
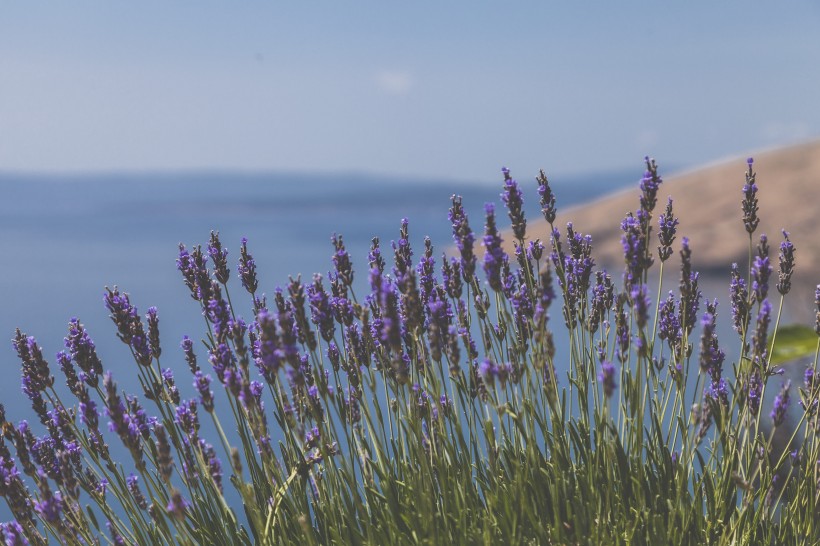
column 607, row 378
column 749, row 204
column 247, row 268
column 494, row 256
column 667, row 228
column 513, row 199
column 321, row 312
column 689, row 293
column 817, row 305
column 36, row 374
column 641, row 302
column 574, row 270
column 547, row 197
column 341, row 261
column 602, row 299
column 781, row 405
column 194, row 269
column 219, row 257
column 784, row 282
column 635, row 251
column 739, row 296
column 760, row 351
column 649, row 185
column 83, row 352
column 129, row 325
column 761, row 271
column 463, row 237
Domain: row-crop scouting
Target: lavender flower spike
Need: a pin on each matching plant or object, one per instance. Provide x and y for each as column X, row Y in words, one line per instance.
column 784, row 283
column 463, row 237
column 513, row 198
column 607, row 378
column 781, row 405
column 666, row 235
column 494, row 255
column 749, row 204
column 547, row 197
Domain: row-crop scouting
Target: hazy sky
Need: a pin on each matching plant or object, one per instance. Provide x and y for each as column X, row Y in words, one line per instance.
column 453, row 89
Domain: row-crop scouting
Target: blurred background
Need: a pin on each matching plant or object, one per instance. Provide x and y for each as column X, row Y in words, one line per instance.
column 126, row 128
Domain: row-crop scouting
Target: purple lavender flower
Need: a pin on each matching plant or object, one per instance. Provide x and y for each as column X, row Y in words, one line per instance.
column 341, row 261
column 202, row 384
column 740, row 301
column 73, row 381
column 222, row 359
column 488, row 371
column 640, row 304
column 292, row 317
column 36, row 374
column 754, row 392
column 214, row 466
column 621, row 329
column 321, row 312
column 164, row 460
column 784, row 283
column 451, row 277
column 463, row 237
column 268, row 354
column 607, row 378
column 50, row 505
column 760, row 353
column 781, row 404
column 711, row 356
column 718, row 391
column 426, row 271
column 247, row 268
column 494, row 255
column 116, row 537
column 649, row 186
column 83, row 352
column 633, row 242
column 219, row 257
column 14, row 534
column 749, row 204
column 817, row 305
column 134, row 489
column 402, row 253
column 194, row 269
column 689, row 293
column 547, row 197
column 217, row 312
column 602, row 299
column 176, row 506
column 153, row 331
column 535, row 249
column 186, row 417
column 374, row 257
column 761, row 270
column 88, row 414
column 667, row 224
column 513, row 198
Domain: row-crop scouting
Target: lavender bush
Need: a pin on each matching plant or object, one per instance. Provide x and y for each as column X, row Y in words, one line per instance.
column 430, row 409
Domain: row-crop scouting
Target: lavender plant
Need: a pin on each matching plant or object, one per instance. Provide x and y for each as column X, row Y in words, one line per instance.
column 432, row 410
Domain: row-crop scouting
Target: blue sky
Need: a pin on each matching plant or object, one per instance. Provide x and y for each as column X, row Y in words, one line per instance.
column 433, row 89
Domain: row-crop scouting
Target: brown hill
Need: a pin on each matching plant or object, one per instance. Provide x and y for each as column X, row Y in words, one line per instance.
column 707, row 202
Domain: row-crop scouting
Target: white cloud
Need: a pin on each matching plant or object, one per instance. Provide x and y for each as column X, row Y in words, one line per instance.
column 394, row 82
column 646, row 140
column 785, row 131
